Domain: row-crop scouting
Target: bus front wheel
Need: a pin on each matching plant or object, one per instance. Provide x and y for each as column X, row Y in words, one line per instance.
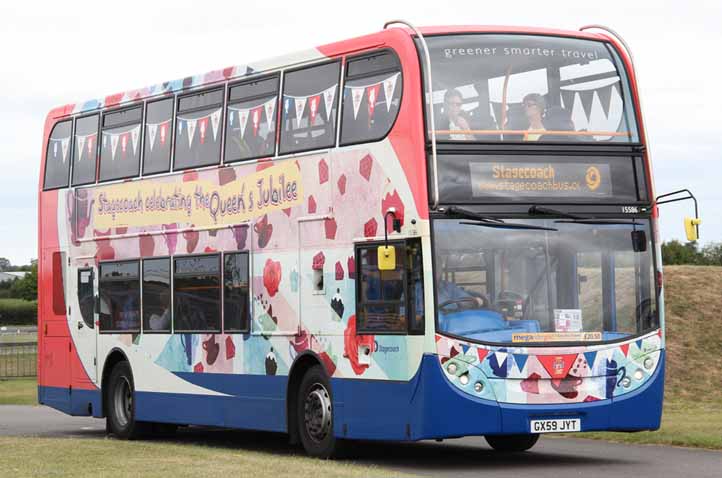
column 511, row 443
column 314, row 412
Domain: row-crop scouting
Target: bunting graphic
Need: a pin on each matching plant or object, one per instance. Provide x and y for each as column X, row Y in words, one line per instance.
column 84, row 142
column 255, row 114
column 164, row 132
column 81, row 146
column 202, row 123
column 132, row 135
column 270, row 107
column 242, row 120
column 154, row 129
column 215, row 121
column 389, row 88
column 113, row 145
column 191, row 126
column 388, row 85
column 328, row 96
column 256, row 119
column 357, row 95
column 64, row 143
column 372, row 93
column 89, row 143
column 313, row 102
column 202, row 127
column 300, row 103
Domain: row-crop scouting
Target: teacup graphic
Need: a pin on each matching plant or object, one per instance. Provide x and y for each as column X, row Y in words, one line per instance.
column 212, row 348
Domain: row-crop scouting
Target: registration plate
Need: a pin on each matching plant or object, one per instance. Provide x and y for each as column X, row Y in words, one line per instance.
column 557, row 425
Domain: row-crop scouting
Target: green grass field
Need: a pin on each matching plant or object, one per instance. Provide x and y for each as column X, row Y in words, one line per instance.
column 683, row 424
column 18, row 391
column 72, row 457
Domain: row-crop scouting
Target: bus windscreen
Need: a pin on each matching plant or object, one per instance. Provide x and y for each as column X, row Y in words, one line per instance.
column 516, row 88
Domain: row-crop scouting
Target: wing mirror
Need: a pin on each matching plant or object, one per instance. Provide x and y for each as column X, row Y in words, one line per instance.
column 691, row 227
column 691, row 224
column 386, row 255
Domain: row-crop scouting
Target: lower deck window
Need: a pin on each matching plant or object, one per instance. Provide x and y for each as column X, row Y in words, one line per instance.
column 197, row 294
column 236, row 303
column 119, row 297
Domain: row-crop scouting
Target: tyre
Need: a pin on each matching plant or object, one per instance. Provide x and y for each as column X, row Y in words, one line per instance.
column 120, row 400
column 511, row 443
column 314, row 414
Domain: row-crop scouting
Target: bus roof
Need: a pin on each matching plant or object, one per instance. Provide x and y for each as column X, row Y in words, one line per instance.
column 297, row 58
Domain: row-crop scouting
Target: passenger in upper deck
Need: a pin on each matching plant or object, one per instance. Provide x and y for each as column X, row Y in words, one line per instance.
column 454, row 118
column 534, row 107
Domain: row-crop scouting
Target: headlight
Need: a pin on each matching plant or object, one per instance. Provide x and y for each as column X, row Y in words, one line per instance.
column 464, row 379
column 638, row 374
column 478, row 387
column 648, row 363
column 452, row 368
column 625, row 382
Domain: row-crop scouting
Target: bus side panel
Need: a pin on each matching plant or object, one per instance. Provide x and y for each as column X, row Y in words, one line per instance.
column 247, row 402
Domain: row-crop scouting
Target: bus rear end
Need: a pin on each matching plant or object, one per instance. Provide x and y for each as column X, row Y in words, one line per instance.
column 543, row 240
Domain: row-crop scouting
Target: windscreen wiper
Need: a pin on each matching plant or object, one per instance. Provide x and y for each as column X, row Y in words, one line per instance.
column 507, row 225
column 610, row 222
column 465, row 213
column 488, row 221
column 546, row 211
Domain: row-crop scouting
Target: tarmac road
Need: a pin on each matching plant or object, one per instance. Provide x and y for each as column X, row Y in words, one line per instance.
column 463, row 457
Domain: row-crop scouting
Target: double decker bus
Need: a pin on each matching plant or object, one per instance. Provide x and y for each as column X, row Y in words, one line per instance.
column 414, row 234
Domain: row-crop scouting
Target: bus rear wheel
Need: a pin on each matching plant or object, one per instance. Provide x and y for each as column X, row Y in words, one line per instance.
column 511, row 443
column 120, row 402
column 314, row 414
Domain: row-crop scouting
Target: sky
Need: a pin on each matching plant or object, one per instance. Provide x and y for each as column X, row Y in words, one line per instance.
column 55, row 53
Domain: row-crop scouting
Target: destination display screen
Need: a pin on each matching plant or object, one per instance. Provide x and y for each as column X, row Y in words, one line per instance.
column 492, row 178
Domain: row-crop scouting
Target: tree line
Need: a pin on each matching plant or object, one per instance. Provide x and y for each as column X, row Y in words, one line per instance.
column 25, row 288
column 676, row 253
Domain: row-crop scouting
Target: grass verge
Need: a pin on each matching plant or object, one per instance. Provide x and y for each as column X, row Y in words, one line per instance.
column 683, row 424
column 19, row 391
column 92, row 457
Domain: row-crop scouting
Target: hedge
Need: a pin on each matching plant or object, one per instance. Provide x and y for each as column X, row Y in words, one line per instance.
column 18, row 312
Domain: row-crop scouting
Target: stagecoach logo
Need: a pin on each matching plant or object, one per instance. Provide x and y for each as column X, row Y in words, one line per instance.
column 384, row 349
column 593, row 178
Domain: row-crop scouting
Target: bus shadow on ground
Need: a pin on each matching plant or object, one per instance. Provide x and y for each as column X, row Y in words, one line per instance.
column 404, row 456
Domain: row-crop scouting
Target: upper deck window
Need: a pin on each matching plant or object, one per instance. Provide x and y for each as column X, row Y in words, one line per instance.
column 120, row 149
column 85, row 152
column 57, row 163
column 251, row 124
column 198, row 133
column 371, row 97
column 158, row 127
column 310, row 98
column 529, row 88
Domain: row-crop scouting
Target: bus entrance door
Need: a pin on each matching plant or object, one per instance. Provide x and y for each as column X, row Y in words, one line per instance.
column 82, row 322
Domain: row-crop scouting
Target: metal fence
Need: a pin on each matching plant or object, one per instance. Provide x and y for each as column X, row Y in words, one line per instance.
column 19, row 359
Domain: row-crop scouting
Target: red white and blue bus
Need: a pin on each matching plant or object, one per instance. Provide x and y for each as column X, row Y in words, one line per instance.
column 414, row 234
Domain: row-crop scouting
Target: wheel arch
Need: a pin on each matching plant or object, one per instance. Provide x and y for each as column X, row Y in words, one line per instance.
column 300, row 366
column 114, row 357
